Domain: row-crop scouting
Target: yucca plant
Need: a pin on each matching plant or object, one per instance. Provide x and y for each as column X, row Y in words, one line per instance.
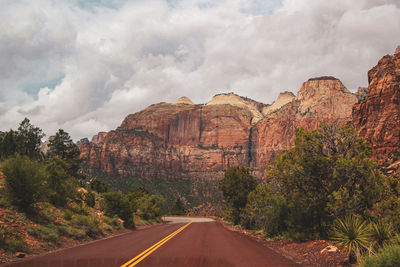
column 381, row 233
column 352, row 234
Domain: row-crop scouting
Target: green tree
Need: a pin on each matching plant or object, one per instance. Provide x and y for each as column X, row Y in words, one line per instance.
column 328, row 174
column 29, row 139
column 8, row 144
column 265, row 210
column 90, row 199
column 62, row 146
column 117, row 204
column 178, row 208
column 150, row 206
column 61, row 185
column 98, row 186
column 24, row 181
column 235, row 186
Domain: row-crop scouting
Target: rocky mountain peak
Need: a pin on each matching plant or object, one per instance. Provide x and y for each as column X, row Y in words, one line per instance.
column 226, row 98
column 321, row 86
column 183, row 100
column 235, row 100
column 317, row 90
column 397, row 50
column 282, row 100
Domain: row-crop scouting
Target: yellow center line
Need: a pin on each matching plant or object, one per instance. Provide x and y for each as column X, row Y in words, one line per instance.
column 151, row 249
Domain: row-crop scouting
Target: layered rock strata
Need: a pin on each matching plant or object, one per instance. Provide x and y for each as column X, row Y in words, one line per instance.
column 377, row 116
column 171, row 140
column 182, row 141
column 320, row 100
column 185, row 141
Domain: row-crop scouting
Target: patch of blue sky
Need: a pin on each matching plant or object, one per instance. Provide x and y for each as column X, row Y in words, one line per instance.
column 34, row 88
column 172, row 3
column 201, row 4
column 91, row 5
column 260, row 7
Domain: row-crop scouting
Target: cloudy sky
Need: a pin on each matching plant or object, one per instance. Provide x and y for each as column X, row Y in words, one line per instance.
column 83, row 65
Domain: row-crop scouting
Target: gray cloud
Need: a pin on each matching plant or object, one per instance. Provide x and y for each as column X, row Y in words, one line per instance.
column 84, row 65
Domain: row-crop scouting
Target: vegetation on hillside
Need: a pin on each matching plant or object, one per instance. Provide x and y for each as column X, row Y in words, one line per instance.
column 235, row 186
column 45, row 199
column 178, row 208
column 327, row 186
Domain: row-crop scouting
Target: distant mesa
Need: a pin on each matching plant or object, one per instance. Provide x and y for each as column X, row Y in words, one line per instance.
column 324, row 78
column 184, row 100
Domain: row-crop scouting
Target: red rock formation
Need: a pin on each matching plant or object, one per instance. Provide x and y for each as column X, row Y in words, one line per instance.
column 320, row 100
column 171, row 140
column 184, row 140
column 377, row 117
column 98, row 137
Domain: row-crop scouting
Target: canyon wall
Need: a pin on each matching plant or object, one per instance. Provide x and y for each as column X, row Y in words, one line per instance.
column 377, row 116
column 184, row 148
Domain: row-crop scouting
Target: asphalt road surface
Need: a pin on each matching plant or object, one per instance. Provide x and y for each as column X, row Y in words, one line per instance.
column 182, row 242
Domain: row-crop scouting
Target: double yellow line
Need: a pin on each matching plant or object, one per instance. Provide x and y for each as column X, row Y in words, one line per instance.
column 151, row 249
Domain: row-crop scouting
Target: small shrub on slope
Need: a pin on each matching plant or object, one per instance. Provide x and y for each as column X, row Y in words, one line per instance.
column 24, row 181
column 389, row 256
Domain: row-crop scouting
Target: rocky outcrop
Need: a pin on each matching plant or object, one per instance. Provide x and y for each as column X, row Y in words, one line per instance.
column 377, row 117
column 184, row 147
column 283, row 99
column 172, row 140
column 397, row 50
column 98, row 138
column 184, row 100
column 361, row 93
column 320, row 100
column 187, row 141
column 232, row 99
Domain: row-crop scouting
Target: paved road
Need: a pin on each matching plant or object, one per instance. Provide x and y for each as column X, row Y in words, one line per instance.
column 203, row 242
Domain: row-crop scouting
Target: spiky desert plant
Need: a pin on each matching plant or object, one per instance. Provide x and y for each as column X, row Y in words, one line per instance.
column 381, row 233
column 353, row 235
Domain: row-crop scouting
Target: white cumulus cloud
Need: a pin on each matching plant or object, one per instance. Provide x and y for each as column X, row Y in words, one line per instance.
column 84, row 65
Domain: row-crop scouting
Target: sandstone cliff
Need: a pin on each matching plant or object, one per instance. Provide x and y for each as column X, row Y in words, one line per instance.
column 377, row 117
column 232, row 99
column 184, row 148
column 167, row 140
column 282, row 100
column 181, row 148
column 320, row 100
